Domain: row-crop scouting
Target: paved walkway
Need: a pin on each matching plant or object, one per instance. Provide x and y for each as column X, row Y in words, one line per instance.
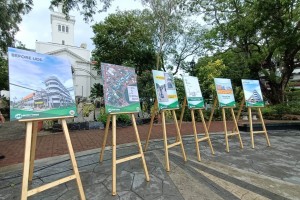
column 260, row 173
column 53, row 144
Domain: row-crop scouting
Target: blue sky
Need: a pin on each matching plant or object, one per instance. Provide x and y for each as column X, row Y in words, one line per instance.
column 31, row 74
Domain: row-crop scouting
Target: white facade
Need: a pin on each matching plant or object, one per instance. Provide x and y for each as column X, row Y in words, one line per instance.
column 62, row 45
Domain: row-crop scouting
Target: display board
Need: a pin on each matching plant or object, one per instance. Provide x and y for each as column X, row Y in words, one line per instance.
column 165, row 90
column 193, row 92
column 224, row 92
column 252, row 93
column 41, row 86
column 120, row 89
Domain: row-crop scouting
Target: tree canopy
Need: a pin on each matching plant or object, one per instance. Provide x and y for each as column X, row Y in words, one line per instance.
column 265, row 33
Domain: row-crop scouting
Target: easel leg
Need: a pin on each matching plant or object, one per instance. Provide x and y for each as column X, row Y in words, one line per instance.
column 179, row 135
column 251, row 127
column 206, row 132
column 151, row 124
column 140, row 147
column 212, row 113
column 33, row 149
column 195, row 135
column 114, row 156
column 225, row 129
column 264, row 126
column 165, row 141
column 26, row 160
column 237, row 128
column 73, row 160
column 181, row 116
column 105, row 137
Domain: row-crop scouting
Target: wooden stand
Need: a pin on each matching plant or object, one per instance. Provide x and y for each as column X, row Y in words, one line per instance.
column 206, row 137
column 166, row 146
column 264, row 131
column 236, row 129
column 29, row 156
column 114, row 149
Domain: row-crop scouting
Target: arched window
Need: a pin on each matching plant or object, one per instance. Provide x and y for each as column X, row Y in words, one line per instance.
column 67, row 29
column 63, row 42
column 59, row 27
column 63, row 28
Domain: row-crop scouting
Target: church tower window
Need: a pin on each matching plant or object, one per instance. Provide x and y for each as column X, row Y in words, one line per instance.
column 59, row 27
column 63, row 42
column 67, row 29
column 63, row 28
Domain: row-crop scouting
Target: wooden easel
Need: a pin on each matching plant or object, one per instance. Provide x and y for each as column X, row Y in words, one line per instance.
column 114, row 149
column 166, row 145
column 29, row 156
column 225, row 124
column 264, row 131
column 206, row 137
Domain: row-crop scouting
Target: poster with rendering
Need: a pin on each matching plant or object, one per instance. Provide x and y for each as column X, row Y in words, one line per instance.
column 120, row 89
column 224, row 92
column 193, row 92
column 252, row 92
column 165, row 90
column 41, row 86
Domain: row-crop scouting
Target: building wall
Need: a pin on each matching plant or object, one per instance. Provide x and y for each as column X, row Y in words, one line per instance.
column 84, row 76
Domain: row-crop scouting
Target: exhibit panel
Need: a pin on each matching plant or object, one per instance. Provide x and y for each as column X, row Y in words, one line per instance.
column 41, row 86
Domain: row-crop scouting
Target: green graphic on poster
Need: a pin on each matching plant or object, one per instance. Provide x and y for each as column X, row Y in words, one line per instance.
column 193, row 92
column 41, row 86
column 224, row 92
column 165, row 90
column 253, row 94
column 120, row 89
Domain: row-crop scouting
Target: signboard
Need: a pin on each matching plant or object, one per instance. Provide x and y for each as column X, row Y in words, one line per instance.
column 224, row 92
column 120, row 89
column 193, row 92
column 41, row 86
column 165, row 90
column 252, row 92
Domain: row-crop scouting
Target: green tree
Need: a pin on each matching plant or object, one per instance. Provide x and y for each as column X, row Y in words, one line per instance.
column 125, row 38
column 206, row 74
column 264, row 33
column 10, row 16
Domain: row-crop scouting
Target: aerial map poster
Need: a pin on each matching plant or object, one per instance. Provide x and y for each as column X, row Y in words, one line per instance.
column 41, row 86
column 193, row 92
column 165, row 90
column 224, row 92
column 120, row 89
column 252, row 92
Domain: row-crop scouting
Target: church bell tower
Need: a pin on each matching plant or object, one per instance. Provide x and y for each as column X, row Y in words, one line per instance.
column 62, row 29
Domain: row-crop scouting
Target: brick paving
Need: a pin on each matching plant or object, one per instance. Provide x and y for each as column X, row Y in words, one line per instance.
column 54, row 144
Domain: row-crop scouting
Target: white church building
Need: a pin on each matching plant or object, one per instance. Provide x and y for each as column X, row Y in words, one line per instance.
column 62, row 45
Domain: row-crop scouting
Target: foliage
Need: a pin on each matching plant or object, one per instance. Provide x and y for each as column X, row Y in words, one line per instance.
column 280, row 111
column 176, row 36
column 3, row 74
column 267, row 41
column 96, row 91
column 124, row 119
column 125, row 38
column 87, row 8
column 87, row 109
column 206, row 74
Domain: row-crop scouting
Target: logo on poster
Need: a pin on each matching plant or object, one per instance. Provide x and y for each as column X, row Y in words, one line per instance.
column 72, row 112
column 18, row 116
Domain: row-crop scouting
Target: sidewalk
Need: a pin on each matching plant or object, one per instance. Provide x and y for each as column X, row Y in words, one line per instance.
column 261, row 173
column 54, row 144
